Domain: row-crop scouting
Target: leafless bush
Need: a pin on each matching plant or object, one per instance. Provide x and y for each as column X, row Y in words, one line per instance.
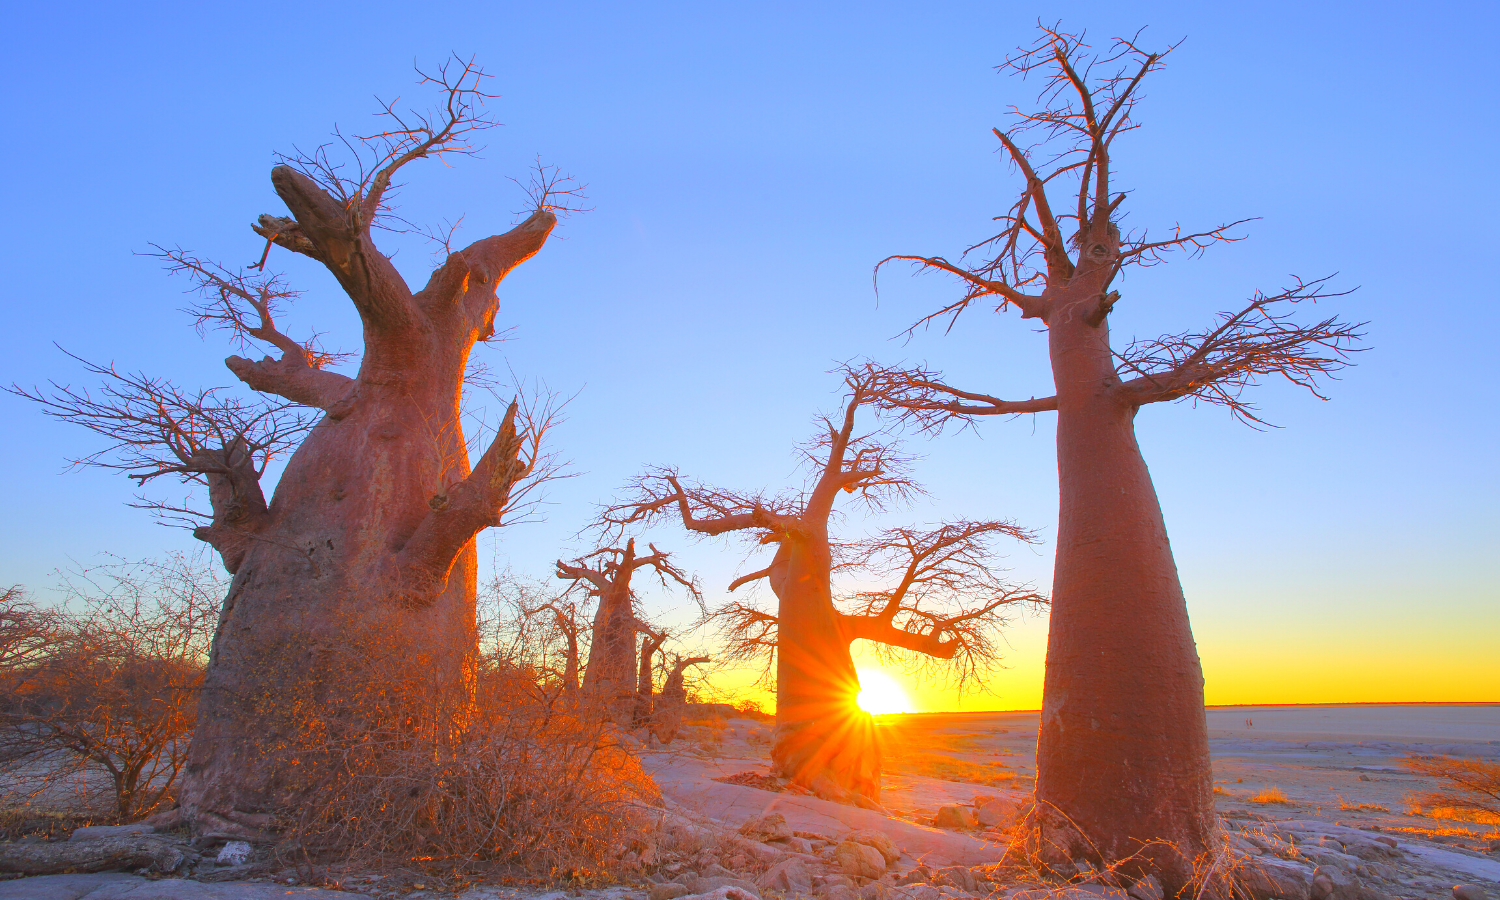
column 1472, row 789
column 402, row 770
column 107, row 683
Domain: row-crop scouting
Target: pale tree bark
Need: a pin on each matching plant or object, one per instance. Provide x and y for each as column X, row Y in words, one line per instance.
column 823, row 740
column 367, row 548
column 1122, row 754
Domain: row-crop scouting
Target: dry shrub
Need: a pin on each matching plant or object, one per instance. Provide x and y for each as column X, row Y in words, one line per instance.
column 104, row 688
column 402, row 768
column 1471, row 793
column 1271, row 794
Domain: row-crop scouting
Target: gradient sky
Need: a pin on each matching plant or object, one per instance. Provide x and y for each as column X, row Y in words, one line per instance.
column 749, row 163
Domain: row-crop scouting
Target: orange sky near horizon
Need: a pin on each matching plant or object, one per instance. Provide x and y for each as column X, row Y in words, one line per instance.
column 1245, row 667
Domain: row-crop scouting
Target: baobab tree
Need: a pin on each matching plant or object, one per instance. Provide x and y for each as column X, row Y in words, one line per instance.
column 666, row 711
column 368, row 542
column 651, row 642
column 610, row 677
column 822, row 739
column 1122, row 754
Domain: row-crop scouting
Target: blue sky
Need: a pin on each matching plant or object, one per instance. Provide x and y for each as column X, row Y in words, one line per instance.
column 748, row 165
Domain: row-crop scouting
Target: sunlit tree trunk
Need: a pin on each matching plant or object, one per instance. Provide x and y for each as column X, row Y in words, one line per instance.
column 365, row 555
column 820, row 729
column 1122, row 752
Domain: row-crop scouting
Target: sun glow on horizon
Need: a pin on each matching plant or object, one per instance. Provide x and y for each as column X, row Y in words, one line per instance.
column 880, row 694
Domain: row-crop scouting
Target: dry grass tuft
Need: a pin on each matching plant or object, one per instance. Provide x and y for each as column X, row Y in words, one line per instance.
column 1368, row 807
column 1271, row 794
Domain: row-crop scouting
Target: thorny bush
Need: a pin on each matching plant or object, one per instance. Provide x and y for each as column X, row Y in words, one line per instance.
column 104, row 686
column 404, row 769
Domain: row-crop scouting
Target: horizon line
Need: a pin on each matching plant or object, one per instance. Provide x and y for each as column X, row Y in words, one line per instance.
column 980, row 712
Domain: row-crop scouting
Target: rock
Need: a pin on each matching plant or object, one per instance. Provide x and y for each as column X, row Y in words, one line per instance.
column 1322, row 885
column 711, row 884
column 789, row 877
column 1149, row 888
column 96, row 855
column 98, row 832
column 999, row 813
column 669, row 891
column 1266, row 879
column 234, row 853
column 877, row 839
column 859, row 860
column 955, row 876
column 115, row 886
column 961, row 817
column 769, row 827
column 66, row 887
column 798, row 845
column 1364, row 778
column 839, row 892
column 1469, row 892
column 765, row 854
column 877, row 890
column 727, row 892
column 919, row 875
column 919, row 892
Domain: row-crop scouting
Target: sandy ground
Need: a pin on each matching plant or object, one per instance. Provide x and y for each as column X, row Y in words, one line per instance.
column 1336, row 766
column 1339, row 763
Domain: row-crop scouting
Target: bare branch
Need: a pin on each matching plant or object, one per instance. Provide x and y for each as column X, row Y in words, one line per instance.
column 1217, row 364
column 549, row 190
column 947, row 600
column 245, row 306
column 919, row 396
column 362, row 180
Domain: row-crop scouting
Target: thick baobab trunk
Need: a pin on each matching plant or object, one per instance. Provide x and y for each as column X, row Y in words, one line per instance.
column 820, row 730
column 610, row 678
column 357, row 583
column 1122, row 751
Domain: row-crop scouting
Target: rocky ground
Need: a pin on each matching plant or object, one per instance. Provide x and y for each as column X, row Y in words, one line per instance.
column 956, row 785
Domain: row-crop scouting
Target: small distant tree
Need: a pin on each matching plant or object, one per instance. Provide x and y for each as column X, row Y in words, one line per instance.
column 611, row 675
column 531, row 626
column 369, row 539
column 945, row 604
column 651, row 642
column 114, row 690
column 666, row 712
column 1122, row 756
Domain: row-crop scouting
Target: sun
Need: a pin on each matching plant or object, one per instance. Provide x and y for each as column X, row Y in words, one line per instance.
column 879, row 693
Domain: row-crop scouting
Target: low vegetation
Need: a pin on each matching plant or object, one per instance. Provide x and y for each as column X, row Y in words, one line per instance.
column 1469, row 792
column 103, row 688
column 1271, row 794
